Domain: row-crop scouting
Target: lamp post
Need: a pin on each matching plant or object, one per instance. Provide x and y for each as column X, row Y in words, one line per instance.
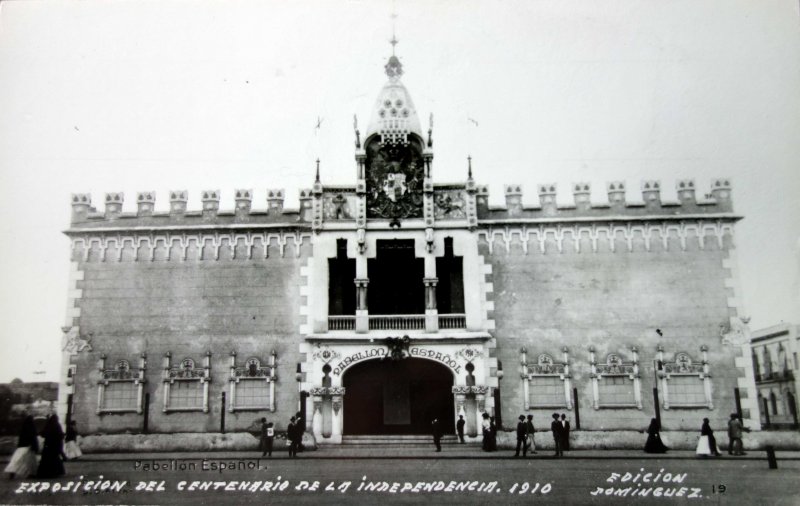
column 658, row 367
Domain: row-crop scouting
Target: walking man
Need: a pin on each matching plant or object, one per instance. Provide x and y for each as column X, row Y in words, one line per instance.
column 557, row 429
column 267, row 436
column 460, row 428
column 531, row 430
column 735, row 429
column 437, row 434
column 522, row 434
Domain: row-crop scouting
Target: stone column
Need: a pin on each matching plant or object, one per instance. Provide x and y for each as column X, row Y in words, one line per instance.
column 480, row 406
column 337, row 416
column 460, row 401
column 431, row 313
column 362, row 312
column 316, row 420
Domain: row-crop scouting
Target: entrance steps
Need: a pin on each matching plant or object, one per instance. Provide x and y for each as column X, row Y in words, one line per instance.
column 395, row 440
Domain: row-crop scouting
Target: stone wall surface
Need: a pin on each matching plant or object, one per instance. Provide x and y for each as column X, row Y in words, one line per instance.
column 613, row 300
column 187, row 308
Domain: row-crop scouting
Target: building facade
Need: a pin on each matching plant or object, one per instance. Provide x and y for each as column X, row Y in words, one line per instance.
column 381, row 304
column 775, row 365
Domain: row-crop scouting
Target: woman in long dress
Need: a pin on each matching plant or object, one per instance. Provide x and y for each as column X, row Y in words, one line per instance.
column 493, row 432
column 51, row 465
column 654, row 443
column 23, row 461
column 707, row 444
column 71, row 448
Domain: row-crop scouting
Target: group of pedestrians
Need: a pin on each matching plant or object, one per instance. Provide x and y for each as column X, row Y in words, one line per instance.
column 294, row 435
column 50, row 464
column 560, row 428
column 707, row 444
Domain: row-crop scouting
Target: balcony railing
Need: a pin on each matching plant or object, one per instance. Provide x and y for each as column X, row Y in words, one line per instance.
column 775, row 376
column 452, row 321
column 341, row 322
column 397, row 322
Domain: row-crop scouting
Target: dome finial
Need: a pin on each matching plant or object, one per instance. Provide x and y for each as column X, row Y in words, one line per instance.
column 394, row 69
column 394, row 40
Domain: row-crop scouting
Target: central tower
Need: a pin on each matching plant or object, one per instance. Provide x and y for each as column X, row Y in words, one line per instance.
column 395, row 162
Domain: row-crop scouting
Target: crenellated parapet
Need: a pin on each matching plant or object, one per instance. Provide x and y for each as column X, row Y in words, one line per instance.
column 651, row 203
column 448, row 205
column 84, row 215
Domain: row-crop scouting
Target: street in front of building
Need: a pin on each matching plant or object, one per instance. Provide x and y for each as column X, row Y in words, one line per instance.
column 587, row 477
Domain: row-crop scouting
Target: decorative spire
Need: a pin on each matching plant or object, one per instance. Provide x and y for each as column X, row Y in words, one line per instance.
column 317, row 179
column 394, row 40
column 469, row 167
column 394, row 69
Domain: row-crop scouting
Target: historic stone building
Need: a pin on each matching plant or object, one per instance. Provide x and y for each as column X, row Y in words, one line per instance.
column 380, row 304
column 775, row 366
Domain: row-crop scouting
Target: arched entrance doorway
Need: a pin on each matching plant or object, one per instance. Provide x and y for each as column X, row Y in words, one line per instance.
column 398, row 397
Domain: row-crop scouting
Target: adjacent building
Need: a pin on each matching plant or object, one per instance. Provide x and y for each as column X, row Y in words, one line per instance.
column 775, row 365
column 381, row 303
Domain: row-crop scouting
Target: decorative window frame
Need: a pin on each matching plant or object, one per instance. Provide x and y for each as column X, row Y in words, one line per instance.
column 121, row 373
column 546, row 367
column 682, row 365
column 252, row 370
column 615, row 366
column 186, row 371
column 72, row 371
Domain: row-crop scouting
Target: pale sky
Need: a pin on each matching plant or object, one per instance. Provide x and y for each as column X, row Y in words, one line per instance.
column 101, row 96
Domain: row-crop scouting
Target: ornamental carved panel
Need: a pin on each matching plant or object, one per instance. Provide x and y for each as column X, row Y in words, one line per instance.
column 395, row 175
column 337, row 206
column 450, row 204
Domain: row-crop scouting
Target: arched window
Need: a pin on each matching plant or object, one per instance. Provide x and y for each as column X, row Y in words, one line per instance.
column 767, row 363
column 120, row 387
column 252, row 384
column 756, row 368
column 616, row 382
column 546, row 383
column 186, row 384
column 782, row 363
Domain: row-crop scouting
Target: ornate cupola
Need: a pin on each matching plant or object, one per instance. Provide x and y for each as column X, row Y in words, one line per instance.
column 396, row 162
column 394, row 117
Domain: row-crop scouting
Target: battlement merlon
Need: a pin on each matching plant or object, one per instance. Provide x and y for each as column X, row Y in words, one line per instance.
column 336, row 203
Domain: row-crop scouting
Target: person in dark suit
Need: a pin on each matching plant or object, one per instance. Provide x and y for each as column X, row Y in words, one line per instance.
column 460, row 428
column 564, row 432
column 291, row 436
column 531, row 431
column 522, row 435
column 300, row 428
column 436, row 429
column 557, row 429
column 51, row 464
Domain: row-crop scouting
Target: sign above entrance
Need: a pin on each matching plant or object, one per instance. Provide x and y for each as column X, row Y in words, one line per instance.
column 358, row 357
column 382, row 353
column 445, row 358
